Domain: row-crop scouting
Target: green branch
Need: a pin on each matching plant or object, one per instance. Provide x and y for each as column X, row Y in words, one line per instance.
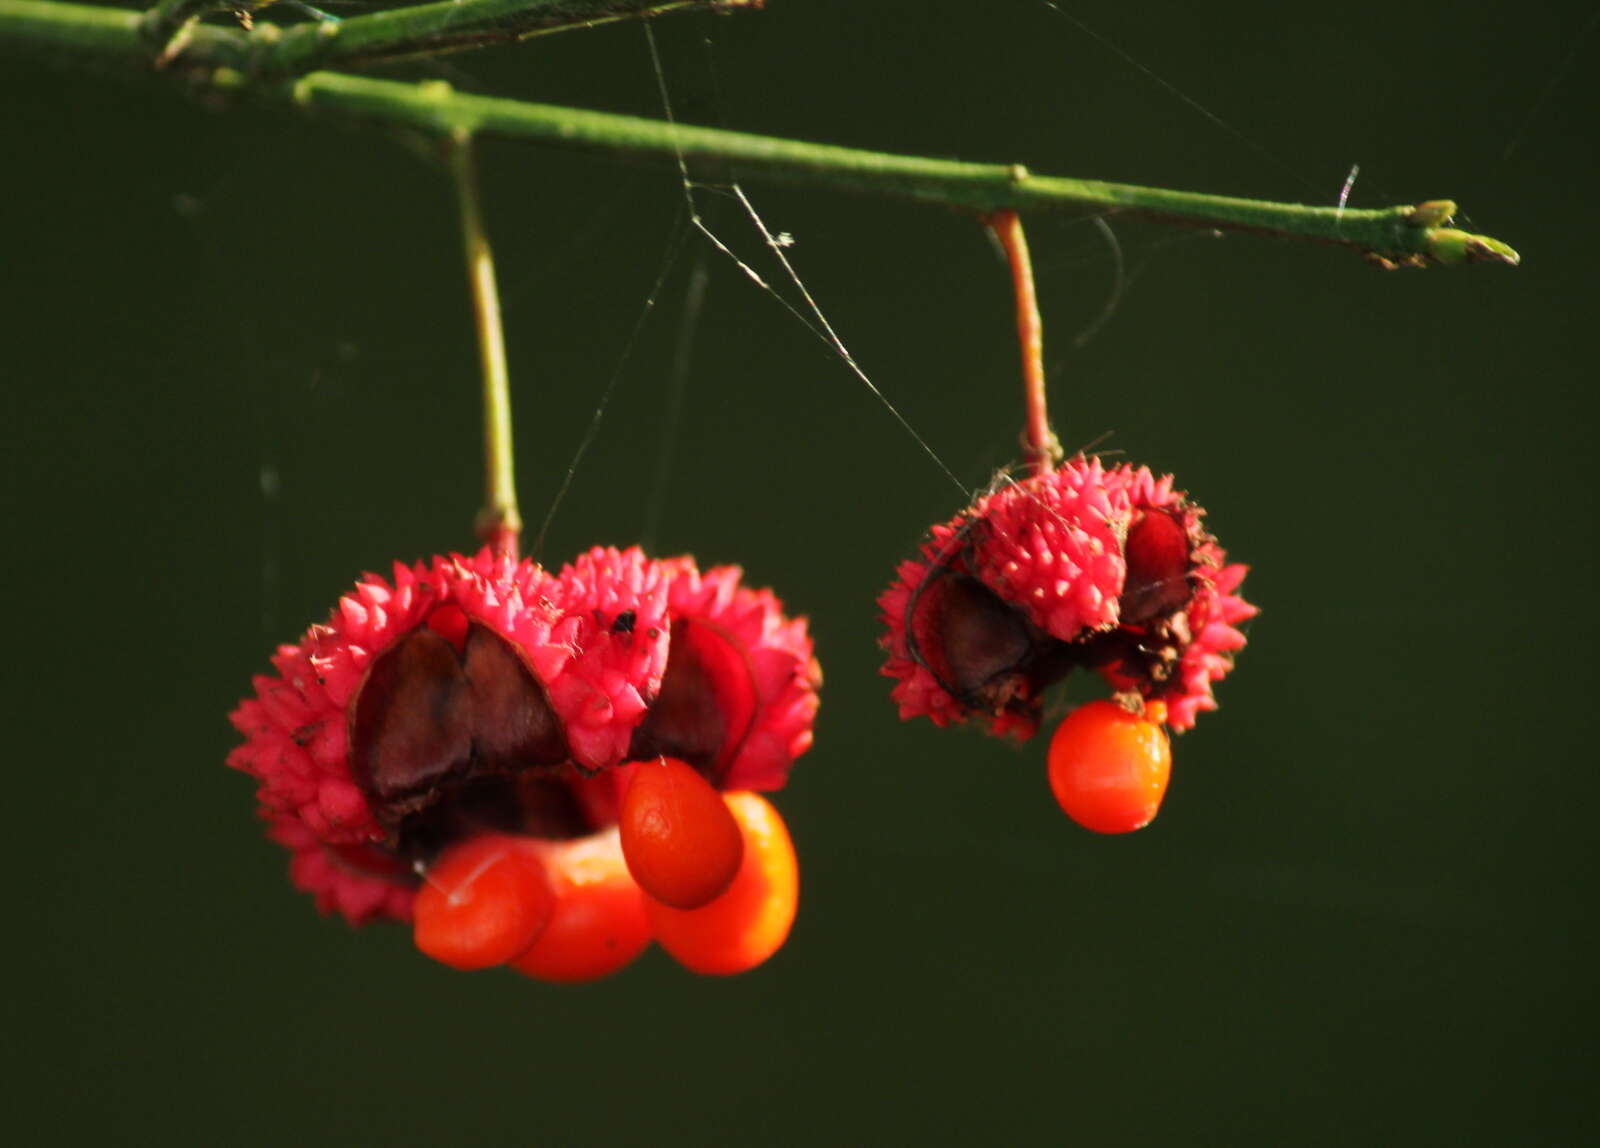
column 448, row 26
column 1407, row 235
column 170, row 33
column 91, row 34
column 1394, row 234
column 451, row 26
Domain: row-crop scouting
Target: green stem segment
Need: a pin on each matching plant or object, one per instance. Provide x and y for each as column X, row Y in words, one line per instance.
column 499, row 522
column 1408, row 235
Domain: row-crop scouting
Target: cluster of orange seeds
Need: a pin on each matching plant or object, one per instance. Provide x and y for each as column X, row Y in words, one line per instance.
column 710, row 876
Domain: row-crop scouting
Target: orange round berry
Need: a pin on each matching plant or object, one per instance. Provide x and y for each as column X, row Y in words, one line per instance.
column 598, row 925
column 750, row 921
column 682, row 845
column 483, row 901
column 1109, row 767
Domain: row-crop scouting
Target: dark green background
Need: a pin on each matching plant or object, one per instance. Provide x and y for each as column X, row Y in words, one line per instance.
column 1362, row 915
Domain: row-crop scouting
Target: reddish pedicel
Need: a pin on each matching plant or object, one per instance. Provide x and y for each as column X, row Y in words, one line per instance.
column 750, row 921
column 682, row 845
column 484, row 901
column 598, row 925
column 1109, row 767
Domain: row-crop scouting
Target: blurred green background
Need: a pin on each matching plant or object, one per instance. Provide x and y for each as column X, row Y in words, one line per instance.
column 239, row 370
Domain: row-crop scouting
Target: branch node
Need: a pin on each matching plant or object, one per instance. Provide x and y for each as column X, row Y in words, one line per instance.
column 1433, row 213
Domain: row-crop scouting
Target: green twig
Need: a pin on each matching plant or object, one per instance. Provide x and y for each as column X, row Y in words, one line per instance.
column 88, row 34
column 170, row 36
column 1407, row 235
column 436, row 29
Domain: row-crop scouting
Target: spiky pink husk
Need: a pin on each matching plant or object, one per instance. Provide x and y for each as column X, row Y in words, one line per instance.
column 1052, row 546
column 296, row 727
column 1212, row 611
column 916, row 690
column 604, row 691
column 1049, row 545
column 358, row 882
column 778, row 651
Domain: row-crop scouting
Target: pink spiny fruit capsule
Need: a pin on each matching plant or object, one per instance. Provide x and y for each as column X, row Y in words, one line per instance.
column 470, row 697
column 1179, row 607
column 985, row 621
column 1079, row 566
column 437, row 704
